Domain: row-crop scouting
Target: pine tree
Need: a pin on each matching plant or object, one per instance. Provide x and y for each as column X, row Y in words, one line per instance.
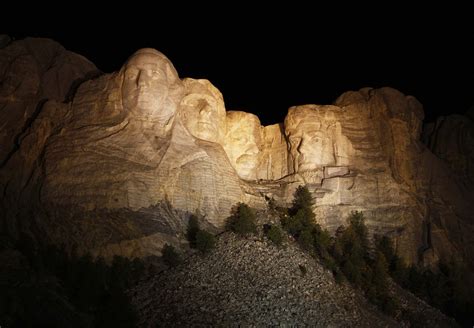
column 170, row 256
column 242, row 220
column 205, row 241
column 275, row 235
column 302, row 200
column 193, row 229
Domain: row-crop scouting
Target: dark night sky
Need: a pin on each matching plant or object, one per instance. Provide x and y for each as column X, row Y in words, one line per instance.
column 265, row 68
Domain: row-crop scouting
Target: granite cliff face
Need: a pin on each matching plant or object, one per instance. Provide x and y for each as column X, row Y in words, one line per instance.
column 449, row 176
column 33, row 71
column 451, row 139
column 116, row 164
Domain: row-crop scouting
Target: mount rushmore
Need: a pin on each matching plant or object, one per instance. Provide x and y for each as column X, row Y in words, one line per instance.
column 115, row 163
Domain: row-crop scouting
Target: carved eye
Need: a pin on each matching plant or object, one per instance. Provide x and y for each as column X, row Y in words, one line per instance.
column 156, row 74
column 238, row 140
column 131, row 73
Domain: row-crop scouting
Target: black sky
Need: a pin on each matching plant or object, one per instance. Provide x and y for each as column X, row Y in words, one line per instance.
column 265, row 68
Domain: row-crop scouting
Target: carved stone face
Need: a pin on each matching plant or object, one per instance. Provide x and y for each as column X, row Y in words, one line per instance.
column 243, row 143
column 310, row 137
column 203, row 110
column 151, row 87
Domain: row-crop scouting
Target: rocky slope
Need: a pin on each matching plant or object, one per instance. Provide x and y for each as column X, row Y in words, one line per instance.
column 115, row 164
column 251, row 282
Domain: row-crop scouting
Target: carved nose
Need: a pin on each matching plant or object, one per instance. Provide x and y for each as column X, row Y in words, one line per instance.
column 205, row 110
column 142, row 79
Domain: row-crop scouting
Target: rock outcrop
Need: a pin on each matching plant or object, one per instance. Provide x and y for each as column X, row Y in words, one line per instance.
column 36, row 77
column 116, row 163
column 356, row 155
column 448, row 182
column 451, row 138
column 31, row 72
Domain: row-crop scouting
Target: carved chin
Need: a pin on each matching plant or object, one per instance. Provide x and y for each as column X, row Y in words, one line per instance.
column 154, row 113
column 247, row 161
column 205, row 131
column 245, row 172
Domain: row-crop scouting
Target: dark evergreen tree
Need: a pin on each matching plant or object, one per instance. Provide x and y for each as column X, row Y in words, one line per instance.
column 242, row 220
column 302, row 200
column 275, row 235
column 170, row 256
column 193, row 228
column 205, row 241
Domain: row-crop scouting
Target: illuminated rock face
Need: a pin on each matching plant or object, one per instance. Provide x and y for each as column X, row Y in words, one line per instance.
column 255, row 152
column 243, row 143
column 274, row 155
column 118, row 153
column 203, row 110
column 151, row 89
column 346, row 155
column 119, row 131
column 118, row 169
column 315, row 138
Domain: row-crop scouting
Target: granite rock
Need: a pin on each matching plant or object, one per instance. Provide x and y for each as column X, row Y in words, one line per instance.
column 119, row 161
